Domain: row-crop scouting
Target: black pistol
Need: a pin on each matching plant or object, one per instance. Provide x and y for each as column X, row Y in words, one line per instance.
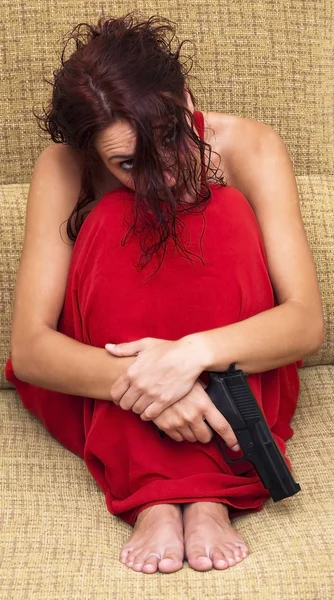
column 232, row 396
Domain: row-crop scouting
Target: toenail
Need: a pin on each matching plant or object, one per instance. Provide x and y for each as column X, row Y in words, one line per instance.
column 129, row 564
column 204, row 558
column 231, row 560
column 221, row 562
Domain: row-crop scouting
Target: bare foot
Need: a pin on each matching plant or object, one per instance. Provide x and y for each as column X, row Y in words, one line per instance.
column 210, row 540
column 158, row 531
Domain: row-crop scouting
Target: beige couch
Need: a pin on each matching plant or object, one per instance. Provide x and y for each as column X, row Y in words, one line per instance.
column 271, row 60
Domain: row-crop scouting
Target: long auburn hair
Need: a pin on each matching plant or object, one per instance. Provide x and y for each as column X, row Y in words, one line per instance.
column 124, row 68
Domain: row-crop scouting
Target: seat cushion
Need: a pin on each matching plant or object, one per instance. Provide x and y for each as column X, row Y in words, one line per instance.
column 61, row 542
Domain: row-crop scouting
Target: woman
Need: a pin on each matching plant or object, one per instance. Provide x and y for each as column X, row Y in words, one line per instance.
column 168, row 264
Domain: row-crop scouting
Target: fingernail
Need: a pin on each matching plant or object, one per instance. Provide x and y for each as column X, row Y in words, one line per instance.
column 110, row 346
column 236, row 448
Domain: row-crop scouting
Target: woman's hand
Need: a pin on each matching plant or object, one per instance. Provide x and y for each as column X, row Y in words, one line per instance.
column 184, row 420
column 163, row 372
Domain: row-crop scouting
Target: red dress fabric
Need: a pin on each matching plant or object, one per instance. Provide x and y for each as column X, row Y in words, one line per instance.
column 108, row 300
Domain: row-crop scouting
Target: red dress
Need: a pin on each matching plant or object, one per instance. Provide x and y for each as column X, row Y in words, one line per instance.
column 108, row 300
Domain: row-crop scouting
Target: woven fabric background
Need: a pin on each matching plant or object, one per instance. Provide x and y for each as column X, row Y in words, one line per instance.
column 317, row 204
column 60, row 543
column 271, row 60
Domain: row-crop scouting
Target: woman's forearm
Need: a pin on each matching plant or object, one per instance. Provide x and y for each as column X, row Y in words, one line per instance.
column 57, row 362
column 268, row 340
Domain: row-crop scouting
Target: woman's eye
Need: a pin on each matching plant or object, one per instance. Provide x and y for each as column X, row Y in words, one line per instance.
column 126, row 162
column 171, row 136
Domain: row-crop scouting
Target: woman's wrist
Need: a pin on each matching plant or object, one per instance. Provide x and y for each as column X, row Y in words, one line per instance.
column 200, row 346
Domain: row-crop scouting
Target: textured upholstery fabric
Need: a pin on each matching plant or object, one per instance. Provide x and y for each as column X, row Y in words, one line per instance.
column 61, row 543
column 271, row 60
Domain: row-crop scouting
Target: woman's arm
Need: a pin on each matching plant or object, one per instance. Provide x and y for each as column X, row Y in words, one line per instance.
column 271, row 339
column 41, row 355
column 59, row 363
column 259, row 166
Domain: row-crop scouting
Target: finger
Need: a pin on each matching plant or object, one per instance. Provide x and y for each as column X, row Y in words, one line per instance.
column 140, row 405
column 130, row 398
column 154, row 409
column 119, row 388
column 126, row 348
column 187, row 433
column 201, row 431
column 221, row 426
column 175, row 435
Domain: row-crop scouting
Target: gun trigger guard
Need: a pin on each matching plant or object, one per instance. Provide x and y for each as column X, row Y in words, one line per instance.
column 236, row 460
column 223, row 448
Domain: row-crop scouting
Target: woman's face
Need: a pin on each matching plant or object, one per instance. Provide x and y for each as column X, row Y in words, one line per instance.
column 116, row 145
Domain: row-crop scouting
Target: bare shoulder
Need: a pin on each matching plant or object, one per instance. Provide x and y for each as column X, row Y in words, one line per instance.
column 226, row 127
column 63, row 167
column 62, row 154
column 62, row 163
column 234, row 138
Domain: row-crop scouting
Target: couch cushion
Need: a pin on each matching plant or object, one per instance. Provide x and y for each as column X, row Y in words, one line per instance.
column 269, row 60
column 316, row 194
column 61, row 542
column 317, row 203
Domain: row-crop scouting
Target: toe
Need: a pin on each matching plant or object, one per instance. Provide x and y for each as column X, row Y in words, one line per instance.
column 244, row 551
column 228, row 554
column 170, row 563
column 240, row 551
column 237, row 554
column 151, row 564
column 198, row 560
column 139, row 559
column 130, row 559
column 218, row 559
column 144, row 561
column 124, row 553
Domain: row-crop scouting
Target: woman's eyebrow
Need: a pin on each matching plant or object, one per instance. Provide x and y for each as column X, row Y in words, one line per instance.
column 121, row 156
column 160, row 126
